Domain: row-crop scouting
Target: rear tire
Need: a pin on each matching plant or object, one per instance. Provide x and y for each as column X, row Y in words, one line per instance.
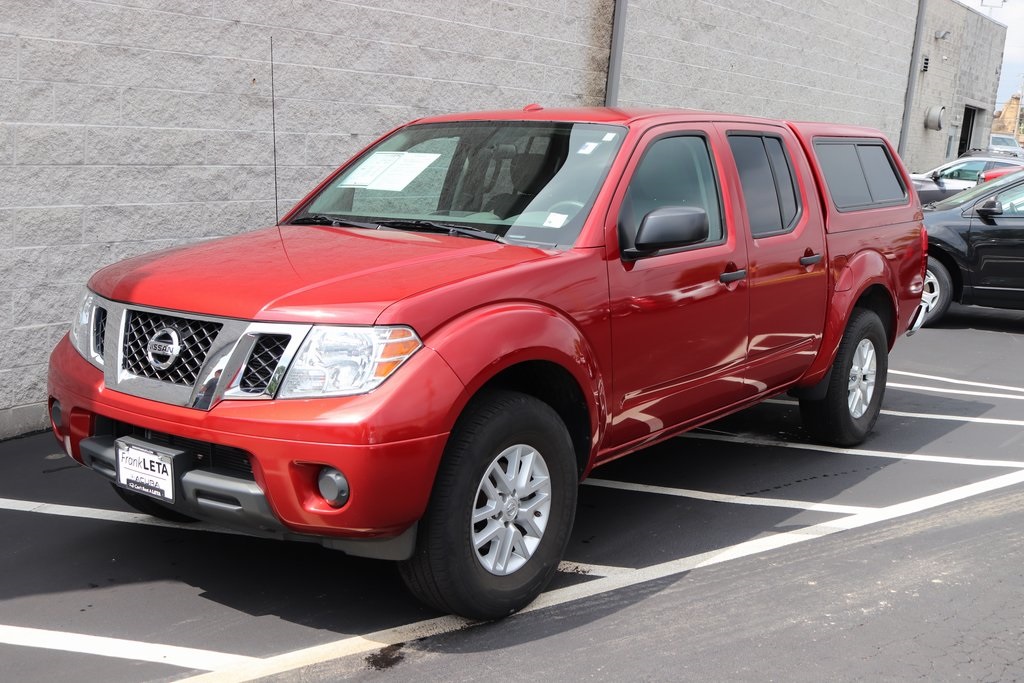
column 148, row 506
column 938, row 291
column 501, row 510
column 847, row 413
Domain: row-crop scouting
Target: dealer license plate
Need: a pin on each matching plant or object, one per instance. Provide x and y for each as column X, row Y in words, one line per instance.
column 145, row 470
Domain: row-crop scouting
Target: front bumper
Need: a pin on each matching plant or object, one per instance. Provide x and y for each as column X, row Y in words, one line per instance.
column 388, row 444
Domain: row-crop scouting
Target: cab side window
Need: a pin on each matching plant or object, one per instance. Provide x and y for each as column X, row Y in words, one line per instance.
column 674, row 171
column 766, row 176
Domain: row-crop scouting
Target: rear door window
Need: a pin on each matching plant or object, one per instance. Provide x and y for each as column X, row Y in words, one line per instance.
column 766, row 176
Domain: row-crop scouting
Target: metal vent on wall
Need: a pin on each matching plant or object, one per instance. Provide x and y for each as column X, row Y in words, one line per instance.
column 924, row 63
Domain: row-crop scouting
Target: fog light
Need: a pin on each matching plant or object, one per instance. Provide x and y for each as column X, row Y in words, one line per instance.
column 55, row 416
column 333, row 486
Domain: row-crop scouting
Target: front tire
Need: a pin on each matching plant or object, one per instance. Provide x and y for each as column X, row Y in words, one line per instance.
column 938, row 291
column 501, row 511
column 854, row 396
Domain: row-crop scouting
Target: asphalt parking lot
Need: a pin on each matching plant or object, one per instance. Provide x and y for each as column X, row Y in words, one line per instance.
column 742, row 551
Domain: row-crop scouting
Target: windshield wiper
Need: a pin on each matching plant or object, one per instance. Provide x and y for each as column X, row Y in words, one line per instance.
column 444, row 228
column 333, row 221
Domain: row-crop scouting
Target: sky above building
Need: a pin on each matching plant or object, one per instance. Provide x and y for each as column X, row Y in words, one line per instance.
column 1011, row 13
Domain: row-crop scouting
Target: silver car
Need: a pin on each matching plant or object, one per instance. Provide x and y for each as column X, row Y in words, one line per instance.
column 1004, row 143
column 957, row 175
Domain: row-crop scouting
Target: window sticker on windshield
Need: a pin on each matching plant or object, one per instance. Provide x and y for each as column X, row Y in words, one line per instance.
column 555, row 220
column 608, row 137
column 588, row 147
column 370, row 168
column 392, row 171
column 405, row 170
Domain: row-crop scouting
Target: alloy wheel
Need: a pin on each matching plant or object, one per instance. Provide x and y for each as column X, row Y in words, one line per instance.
column 511, row 511
column 862, row 378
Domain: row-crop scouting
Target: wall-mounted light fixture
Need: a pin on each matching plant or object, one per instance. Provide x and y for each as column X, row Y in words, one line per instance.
column 941, row 35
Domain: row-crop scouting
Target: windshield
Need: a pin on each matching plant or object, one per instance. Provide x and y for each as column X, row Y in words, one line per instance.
column 961, row 198
column 527, row 182
column 1003, row 141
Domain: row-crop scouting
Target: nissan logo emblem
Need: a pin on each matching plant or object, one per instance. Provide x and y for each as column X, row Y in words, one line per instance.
column 163, row 348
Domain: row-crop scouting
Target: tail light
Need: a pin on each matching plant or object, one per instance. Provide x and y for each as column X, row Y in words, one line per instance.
column 924, row 250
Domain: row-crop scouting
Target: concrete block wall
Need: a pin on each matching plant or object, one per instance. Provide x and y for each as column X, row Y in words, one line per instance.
column 963, row 69
column 844, row 62
column 133, row 125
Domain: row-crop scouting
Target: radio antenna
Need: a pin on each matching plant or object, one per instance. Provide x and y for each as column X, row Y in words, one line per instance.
column 273, row 129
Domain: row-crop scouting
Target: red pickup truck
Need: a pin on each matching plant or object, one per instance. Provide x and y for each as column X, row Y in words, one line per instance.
column 426, row 355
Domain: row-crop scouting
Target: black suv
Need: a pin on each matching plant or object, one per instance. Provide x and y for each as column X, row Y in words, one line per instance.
column 976, row 247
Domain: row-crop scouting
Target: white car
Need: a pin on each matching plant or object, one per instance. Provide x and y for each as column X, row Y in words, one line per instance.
column 957, row 175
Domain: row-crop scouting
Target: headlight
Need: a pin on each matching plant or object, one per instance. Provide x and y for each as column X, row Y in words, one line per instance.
column 341, row 361
column 82, row 329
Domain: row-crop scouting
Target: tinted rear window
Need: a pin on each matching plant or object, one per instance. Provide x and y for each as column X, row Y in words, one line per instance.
column 859, row 173
column 766, row 177
column 881, row 176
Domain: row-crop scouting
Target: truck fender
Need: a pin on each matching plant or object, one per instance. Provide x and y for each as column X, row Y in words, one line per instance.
column 485, row 341
column 865, row 270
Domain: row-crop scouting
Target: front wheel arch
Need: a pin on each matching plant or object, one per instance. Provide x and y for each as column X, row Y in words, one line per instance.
column 952, row 267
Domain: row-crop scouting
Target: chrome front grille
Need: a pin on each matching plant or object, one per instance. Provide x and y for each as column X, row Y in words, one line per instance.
column 190, row 360
column 262, row 363
column 99, row 329
column 196, row 337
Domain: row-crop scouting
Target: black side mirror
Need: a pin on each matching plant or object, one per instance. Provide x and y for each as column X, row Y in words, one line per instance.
column 667, row 228
column 935, row 176
column 989, row 208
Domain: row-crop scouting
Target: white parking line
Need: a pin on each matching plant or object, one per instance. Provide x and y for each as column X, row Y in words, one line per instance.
column 725, row 498
column 291, row 661
column 925, row 416
column 956, row 418
column 950, row 380
column 103, row 515
column 751, row 441
column 186, row 657
column 958, row 392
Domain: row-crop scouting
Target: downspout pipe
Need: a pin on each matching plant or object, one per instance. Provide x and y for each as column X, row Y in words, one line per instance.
column 915, row 58
column 611, row 88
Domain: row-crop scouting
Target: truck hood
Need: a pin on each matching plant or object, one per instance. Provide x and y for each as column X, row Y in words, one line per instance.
column 303, row 273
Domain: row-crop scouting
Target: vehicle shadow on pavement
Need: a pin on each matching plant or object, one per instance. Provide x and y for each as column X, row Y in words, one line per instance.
column 335, row 595
column 102, row 564
column 979, row 318
column 49, row 555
